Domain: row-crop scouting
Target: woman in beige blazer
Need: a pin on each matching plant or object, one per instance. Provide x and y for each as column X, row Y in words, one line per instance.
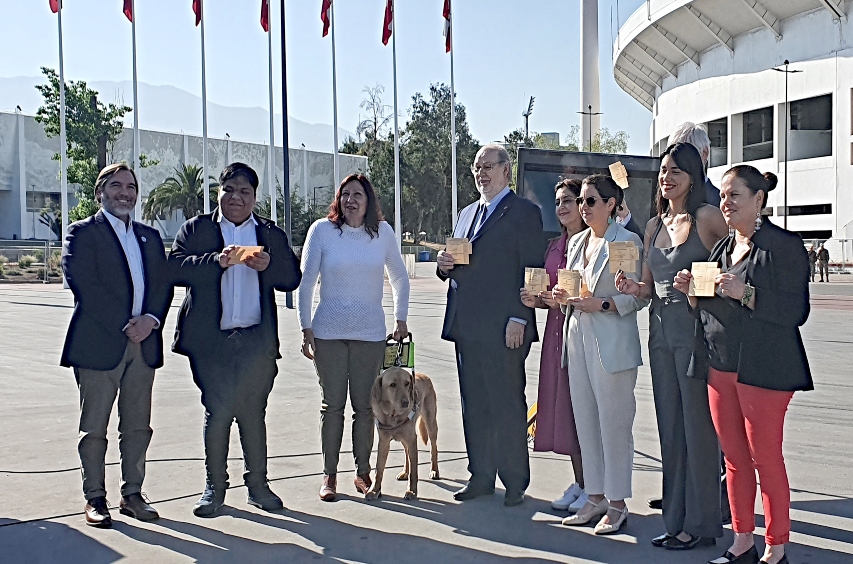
column 602, row 350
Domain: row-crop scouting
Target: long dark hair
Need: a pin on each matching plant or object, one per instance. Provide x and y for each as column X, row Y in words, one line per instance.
column 372, row 216
column 574, row 187
column 686, row 158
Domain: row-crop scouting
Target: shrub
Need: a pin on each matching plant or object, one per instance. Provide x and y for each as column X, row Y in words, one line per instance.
column 26, row 261
column 4, row 259
column 39, row 255
column 55, row 260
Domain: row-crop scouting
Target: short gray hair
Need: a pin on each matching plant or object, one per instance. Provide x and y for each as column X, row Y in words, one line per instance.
column 503, row 155
column 694, row 134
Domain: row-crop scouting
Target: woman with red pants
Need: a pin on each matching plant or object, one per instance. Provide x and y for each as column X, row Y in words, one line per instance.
column 756, row 357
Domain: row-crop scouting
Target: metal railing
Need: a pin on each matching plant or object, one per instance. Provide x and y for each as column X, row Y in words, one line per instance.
column 14, row 250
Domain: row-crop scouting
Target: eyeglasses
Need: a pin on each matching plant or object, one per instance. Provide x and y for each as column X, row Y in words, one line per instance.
column 590, row 200
column 487, row 167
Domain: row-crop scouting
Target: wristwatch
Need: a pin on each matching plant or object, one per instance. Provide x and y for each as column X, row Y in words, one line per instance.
column 605, row 305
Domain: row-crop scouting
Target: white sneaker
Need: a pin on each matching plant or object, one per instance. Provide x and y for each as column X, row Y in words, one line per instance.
column 578, row 504
column 569, row 496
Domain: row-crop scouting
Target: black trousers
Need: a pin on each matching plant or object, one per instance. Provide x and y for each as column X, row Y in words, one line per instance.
column 235, row 381
column 494, row 413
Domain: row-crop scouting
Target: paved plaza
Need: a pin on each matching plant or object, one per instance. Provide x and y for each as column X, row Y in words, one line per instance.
column 41, row 501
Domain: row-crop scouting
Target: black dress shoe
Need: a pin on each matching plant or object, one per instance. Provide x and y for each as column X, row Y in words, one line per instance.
column 658, row 541
column 655, row 503
column 674, row 543
column 97, row 513
column 470, row 491
column 264, row 498
column 134, row 506
column 783, row 561
column 513, row 498
column 748, row 557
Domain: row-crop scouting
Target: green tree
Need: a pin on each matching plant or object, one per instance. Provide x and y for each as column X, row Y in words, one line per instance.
column 182, row 191
column 603, row 142
column 91, row 130
column 302, row 215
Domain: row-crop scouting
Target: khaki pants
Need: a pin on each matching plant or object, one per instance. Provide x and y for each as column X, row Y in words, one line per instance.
column 132, row 380
column 343, row 364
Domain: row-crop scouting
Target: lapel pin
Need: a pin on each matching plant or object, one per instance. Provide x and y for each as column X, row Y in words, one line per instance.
column 144, row 240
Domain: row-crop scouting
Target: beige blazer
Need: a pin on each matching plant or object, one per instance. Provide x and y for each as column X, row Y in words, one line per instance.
column 616, row 332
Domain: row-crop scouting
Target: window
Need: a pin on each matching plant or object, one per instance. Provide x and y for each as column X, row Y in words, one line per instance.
column 810, row 133
column 758, row 134
column 37, row 201
column 718, row 132
column 813, row 209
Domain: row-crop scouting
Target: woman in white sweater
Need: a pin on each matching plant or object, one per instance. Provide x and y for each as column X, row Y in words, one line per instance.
column 349, row 251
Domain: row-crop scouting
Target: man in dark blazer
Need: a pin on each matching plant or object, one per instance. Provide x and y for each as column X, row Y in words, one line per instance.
column 491, row 328
column 228, row 327
column 626, row 218
column 116, row 269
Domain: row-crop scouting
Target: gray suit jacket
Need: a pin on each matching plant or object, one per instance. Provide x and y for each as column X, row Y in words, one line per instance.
column 616, row 333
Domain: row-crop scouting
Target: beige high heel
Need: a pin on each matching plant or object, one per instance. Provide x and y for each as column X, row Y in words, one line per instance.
column 584, row 518
column 612, row 528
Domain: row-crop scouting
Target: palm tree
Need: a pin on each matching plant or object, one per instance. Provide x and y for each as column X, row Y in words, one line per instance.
column 182, row 191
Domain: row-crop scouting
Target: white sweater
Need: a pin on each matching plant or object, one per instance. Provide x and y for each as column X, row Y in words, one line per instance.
column 351, row 267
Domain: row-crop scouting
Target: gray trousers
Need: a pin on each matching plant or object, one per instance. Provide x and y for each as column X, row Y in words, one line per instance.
column 823, row 267
column 235, row 383
column 343, row 364
column 132, row 380
column 689, row 448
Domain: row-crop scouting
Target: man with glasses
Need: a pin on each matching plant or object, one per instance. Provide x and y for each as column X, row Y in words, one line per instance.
column 491, row 328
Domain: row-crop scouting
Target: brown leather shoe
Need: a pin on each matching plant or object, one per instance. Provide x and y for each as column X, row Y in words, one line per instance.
column 97, row 513
column 329, row 489
column 362, row 483
column 134, row 506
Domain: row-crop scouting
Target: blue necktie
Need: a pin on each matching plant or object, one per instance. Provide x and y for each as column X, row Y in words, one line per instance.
column 481, row 218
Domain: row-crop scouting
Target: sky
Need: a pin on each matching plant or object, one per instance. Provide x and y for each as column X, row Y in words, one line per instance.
column 504, row 52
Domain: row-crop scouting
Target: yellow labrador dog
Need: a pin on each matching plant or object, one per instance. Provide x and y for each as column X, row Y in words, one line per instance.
column 399, row 400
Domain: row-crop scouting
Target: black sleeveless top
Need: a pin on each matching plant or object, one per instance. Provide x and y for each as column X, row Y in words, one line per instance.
column 722, row 321
column 666, row 263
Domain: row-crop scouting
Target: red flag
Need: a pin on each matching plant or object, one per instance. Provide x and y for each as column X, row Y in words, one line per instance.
column 54, row 6
column 265, row 15
column 387, row 28
column 325, row 16
column 128, row 9
column 447, row 29
column 197, row 11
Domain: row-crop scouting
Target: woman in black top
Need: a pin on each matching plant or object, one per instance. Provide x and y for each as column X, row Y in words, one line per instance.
column 755, row 355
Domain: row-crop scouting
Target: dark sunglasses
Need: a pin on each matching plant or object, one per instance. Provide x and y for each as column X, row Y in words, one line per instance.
column 590, row 200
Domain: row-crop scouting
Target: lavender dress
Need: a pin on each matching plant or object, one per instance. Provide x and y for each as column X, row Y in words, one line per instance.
column 555, row 420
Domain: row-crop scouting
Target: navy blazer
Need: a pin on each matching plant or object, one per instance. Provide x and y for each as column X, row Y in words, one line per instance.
column 484, row 294
column 97, row 272
column 195, row 264
column 772, row 355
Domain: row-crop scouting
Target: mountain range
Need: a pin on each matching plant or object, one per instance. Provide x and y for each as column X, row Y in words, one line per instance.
column 170, row 109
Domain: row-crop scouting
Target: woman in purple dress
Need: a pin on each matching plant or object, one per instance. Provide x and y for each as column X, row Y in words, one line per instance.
column 555, row 420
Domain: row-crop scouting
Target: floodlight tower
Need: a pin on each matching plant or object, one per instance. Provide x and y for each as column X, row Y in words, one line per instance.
column 526, row 116
column 590, row 100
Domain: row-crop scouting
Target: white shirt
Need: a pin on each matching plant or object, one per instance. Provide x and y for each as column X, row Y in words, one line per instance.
column 623, row 220
column 240, row 291
column 133, row 254
column 491, row 205
column 350, row 265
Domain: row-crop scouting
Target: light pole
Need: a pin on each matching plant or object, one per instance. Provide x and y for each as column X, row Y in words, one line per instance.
column 32, row 212
column 590, row 113
column 526, row 116
column 785, row 200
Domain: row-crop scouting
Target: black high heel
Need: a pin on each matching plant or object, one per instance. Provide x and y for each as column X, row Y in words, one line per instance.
column 748, row 557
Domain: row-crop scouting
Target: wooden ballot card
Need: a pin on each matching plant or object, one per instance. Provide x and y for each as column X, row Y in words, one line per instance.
column 241, row 253
column 536, row 280
column 460, row 248
column 570, row 281
column 624, row 256
column 619, row 174
column 702, row 283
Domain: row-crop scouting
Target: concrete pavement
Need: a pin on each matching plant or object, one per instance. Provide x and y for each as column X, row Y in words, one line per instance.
column 41, row 500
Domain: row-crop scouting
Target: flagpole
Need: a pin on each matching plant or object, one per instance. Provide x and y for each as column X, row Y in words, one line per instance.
column 205, row 173
column 271, row 171
column 136, row 149
column 454, row 197
column 63, row 160
column 285, row 141
column 335, row 97
column 397, row 194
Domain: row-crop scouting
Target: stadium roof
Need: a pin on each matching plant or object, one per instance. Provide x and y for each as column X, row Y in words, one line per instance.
column 664, row 35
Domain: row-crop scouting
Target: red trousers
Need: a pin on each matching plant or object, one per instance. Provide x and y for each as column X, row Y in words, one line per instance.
column 749, row 422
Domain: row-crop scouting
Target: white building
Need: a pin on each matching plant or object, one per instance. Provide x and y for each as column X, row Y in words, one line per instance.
column 29, row 176
column 711, row 62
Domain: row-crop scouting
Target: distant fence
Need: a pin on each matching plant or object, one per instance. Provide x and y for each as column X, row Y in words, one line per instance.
column 34, row 252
